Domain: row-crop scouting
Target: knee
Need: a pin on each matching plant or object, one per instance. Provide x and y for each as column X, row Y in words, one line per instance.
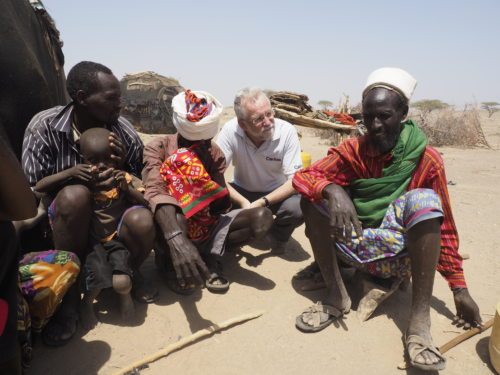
column 73, row 199
column 315, row 221
column 422, row 194
column 295, row 213
column 420, row 202
column 122, row 284
column 261, row 221
column 290, row 209
column 139, row 222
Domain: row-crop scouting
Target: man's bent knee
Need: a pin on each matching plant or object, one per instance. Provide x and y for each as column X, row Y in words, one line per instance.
column 72, row 200
column 291, row 208
column 315, row 221
column 261, row 220
column 122, row 283
column 139, row 221
column 309, row 209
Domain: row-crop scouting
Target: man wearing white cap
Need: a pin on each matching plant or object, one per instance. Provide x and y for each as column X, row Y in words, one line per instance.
column 380, row 203
column 266, row 153
column 185, row 186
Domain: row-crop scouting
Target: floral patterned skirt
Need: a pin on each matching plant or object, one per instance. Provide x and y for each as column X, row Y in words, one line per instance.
column 382, row 251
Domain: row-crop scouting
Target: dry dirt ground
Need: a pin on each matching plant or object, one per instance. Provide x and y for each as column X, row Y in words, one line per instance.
column 272, row 344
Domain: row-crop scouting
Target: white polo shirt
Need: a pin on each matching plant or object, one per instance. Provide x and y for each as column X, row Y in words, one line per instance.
column 267, row 167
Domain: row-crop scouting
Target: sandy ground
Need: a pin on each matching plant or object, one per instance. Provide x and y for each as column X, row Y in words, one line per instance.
column 272, row 344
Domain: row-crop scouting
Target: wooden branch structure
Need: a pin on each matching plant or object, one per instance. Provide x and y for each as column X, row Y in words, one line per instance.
column 294, row 108
column 201, row 334
column 309, row 122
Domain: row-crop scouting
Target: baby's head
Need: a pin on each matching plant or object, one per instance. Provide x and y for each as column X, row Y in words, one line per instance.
column 95, row 148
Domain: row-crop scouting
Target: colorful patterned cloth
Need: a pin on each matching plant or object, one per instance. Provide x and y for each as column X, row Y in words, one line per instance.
column 44, row 277
column 189, row 183
column 382, row 251
column 196, row 108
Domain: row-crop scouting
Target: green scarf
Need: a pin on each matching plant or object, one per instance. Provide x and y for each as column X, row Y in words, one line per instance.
column 372, row 196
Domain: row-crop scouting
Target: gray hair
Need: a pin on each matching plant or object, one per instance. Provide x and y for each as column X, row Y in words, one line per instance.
column 248, row 94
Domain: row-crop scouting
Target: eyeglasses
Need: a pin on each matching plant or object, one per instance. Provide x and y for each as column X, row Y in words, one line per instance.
column 259, row 120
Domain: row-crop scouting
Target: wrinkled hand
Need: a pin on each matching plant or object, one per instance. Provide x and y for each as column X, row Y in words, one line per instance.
column 117, row 148
column 82, row 172
column 187, row 260
column 467, row 310
column 343, row 216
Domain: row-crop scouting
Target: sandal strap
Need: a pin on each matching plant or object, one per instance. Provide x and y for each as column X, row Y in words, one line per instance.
column 313, row 313
column 420, row 345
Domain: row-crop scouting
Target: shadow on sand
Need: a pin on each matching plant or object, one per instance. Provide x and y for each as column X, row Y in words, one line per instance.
column 294, row 252
column 392, row 307
column 76, row 357
column 483, row 352
column 232, row 270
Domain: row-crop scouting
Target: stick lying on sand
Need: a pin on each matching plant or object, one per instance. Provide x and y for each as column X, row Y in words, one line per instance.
column 189, row 340
column 455, row 341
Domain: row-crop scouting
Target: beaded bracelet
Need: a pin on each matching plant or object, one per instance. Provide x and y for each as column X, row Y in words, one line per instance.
column 173, row 235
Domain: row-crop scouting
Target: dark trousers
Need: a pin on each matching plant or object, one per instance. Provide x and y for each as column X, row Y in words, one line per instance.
column 288, row 214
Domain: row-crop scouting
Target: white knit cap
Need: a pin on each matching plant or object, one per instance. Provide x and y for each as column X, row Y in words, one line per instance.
column 394, row 79
column 206, row 128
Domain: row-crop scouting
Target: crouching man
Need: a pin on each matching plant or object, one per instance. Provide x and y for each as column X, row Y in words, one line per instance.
column 380, row 203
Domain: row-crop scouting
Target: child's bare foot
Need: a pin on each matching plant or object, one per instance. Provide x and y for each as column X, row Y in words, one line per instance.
column 122, row 284
column 127, row 308
column 88, row 318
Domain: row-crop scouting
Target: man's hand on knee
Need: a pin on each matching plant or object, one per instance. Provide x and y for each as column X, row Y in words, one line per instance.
column 187, row 260
column 343, row 216
column 467, row 310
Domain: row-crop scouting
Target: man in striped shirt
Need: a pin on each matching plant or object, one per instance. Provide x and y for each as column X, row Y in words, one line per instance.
column 50, row 148
column 381, row 201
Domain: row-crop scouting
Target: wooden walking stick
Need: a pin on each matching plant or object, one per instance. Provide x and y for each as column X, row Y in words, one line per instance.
column 203, row 333
column 465, row 336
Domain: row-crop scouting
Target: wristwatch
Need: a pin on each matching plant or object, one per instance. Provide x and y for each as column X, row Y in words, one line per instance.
column 266, row 201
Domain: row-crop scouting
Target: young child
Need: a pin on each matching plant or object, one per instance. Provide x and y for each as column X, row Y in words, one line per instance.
column 108, row 264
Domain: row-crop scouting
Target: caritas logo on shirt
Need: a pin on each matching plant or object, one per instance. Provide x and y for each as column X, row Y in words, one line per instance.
column 272, row 159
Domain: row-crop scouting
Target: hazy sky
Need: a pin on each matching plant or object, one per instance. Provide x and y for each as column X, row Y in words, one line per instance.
column 316, row 47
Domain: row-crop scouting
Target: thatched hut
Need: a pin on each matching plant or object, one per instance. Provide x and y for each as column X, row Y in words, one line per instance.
column 147, row 101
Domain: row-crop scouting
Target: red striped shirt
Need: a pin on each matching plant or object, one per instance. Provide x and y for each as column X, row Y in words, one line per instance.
column 354, row 159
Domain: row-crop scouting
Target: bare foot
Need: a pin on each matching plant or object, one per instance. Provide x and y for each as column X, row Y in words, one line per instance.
column 127, row 308
column 88, row 318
